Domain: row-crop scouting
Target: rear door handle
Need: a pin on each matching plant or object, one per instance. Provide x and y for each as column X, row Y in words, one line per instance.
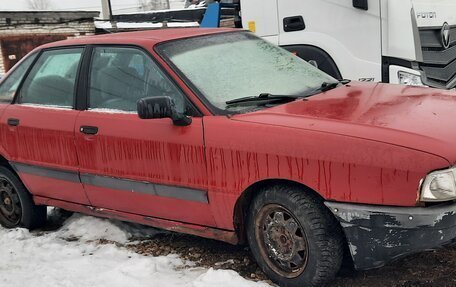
column 88, row 130
column 13, row 122
column 294, row 23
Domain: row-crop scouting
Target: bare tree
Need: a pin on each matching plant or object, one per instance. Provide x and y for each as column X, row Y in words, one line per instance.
column 39, row 4
column 147, row 5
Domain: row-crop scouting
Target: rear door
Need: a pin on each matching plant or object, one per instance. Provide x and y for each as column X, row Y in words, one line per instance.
column 8, row 88
column 38, row 129
column 146, row 167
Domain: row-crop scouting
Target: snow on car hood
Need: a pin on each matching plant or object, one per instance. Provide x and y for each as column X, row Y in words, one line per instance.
column 418, row 118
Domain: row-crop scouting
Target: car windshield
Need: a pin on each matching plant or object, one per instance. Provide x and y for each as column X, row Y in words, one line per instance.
column 225, row 67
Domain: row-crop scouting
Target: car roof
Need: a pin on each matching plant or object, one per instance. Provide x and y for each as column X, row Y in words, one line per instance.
column 151, row 37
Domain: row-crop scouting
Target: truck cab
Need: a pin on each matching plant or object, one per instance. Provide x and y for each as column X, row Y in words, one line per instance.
column 410, row 42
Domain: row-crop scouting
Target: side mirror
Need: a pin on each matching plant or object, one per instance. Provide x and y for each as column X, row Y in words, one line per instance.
column 159, row 108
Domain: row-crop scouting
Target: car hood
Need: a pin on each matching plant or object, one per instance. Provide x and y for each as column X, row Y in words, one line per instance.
column 413, row 117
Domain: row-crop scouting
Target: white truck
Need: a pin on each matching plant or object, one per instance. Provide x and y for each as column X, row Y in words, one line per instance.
column 410, row 42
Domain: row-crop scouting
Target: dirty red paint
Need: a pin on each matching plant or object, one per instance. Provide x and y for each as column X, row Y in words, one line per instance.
column 158, row 152
column 45, row 137
column 363, row 143
column 340, row 168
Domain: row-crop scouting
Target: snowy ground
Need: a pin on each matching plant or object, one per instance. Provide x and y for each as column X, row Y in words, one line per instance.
column 72, row 256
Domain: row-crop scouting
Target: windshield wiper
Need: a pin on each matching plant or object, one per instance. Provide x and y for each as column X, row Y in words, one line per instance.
column 326, row 86
column 267, row 98
column 263, row 99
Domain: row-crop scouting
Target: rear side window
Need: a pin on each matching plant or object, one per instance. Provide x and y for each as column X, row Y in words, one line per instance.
column 9, row 86
column 52, row 80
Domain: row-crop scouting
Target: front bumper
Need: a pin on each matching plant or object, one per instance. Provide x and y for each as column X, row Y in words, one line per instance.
column 377, row 235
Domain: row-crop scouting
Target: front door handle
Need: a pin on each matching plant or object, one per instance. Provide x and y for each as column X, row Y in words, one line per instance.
column 88, row 130
column 294, row 23
column 13, row 122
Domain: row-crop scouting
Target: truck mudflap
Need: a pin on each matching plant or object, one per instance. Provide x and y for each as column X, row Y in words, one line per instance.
column 377, row 235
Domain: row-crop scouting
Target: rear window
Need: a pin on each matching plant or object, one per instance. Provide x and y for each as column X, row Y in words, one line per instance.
column 8, row 86
column 52, row 80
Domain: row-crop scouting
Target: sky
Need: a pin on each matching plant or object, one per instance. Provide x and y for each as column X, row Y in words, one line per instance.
column 117, row 5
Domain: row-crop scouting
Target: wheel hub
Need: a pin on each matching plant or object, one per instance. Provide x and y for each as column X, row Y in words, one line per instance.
column 7, row 201
column 10, row 207
column 283, row 240
column 280, row 241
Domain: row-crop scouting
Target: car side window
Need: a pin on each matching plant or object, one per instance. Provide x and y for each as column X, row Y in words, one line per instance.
column 52, row 80
column 9, row 85
column 120, row 76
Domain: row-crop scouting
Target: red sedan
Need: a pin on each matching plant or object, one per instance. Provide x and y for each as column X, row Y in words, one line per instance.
column 220, row 134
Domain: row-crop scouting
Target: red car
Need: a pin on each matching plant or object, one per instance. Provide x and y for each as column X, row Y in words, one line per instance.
column 220, row 134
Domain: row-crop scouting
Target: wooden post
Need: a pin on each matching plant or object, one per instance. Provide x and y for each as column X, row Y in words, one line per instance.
column 106, row 13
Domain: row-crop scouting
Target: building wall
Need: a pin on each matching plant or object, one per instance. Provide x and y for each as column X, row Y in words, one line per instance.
column 176, row 4
column 31, row 29
column 154, row 5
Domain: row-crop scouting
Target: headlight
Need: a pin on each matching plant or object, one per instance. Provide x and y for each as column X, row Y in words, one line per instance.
column 439, row 186
column 409, row 79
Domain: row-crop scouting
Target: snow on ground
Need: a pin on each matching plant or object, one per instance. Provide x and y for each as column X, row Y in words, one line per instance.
column 71, row 257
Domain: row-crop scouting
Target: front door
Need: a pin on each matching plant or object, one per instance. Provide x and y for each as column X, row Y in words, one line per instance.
column 146, row 167
column 38, row 129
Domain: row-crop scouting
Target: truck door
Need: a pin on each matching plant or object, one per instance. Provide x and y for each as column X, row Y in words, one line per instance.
column 260, row 16
column 349, row 36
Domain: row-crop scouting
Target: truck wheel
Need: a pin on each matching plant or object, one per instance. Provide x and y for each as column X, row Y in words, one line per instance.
column 16, row 205
column 293, row 237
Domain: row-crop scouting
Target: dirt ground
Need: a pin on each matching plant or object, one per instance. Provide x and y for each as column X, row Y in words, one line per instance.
column 433, row 268
column 430, row 269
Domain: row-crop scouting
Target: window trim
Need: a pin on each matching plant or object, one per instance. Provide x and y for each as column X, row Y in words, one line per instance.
column 40, row 53
column 87, row 72
column 81, row 101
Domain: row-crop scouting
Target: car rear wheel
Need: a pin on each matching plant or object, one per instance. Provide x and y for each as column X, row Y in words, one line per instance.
column 16, row 205
column 293, row 237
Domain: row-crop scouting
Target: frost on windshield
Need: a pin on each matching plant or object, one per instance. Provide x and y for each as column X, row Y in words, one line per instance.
column 230, row 66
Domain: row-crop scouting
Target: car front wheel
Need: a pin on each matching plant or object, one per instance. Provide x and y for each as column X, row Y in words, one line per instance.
column 293, row 237
column 17, row 208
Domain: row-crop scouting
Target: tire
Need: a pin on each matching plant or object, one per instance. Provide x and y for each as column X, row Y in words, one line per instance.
column 293, row 237
column 17, row 208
